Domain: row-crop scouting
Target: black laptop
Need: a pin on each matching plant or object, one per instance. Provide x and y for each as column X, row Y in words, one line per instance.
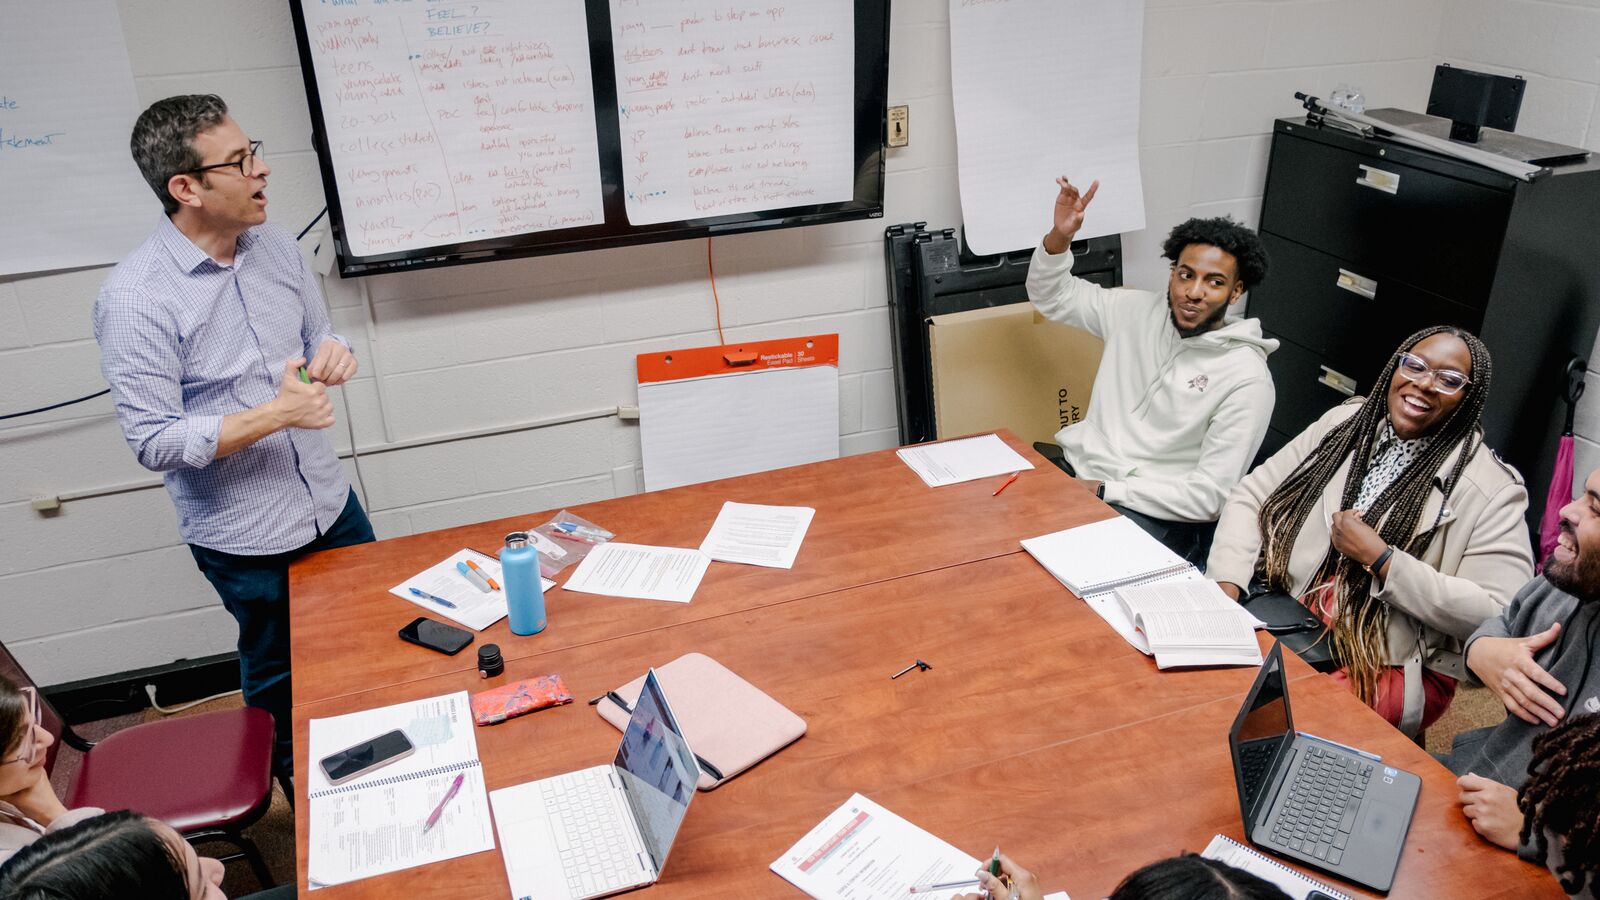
column 1314, row 801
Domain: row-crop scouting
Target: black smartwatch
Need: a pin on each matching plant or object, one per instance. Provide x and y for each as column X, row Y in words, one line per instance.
column 1373, row 567
column 1100, row 490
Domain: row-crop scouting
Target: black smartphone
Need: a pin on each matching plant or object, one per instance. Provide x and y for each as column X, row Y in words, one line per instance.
column 366, row 756
column 446, row 639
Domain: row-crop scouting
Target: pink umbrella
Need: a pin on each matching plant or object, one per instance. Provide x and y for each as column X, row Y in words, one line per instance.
column 1560, row 493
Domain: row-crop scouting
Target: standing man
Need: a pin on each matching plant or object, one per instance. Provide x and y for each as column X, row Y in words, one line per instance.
column 219, row 353
column 1183, row 395
column 1539, row 658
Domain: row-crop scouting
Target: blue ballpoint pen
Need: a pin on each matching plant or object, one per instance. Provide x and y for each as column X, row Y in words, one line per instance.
column 434, row 597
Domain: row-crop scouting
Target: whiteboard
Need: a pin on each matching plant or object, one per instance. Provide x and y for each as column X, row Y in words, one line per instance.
column 70, row 192
column 453, row 122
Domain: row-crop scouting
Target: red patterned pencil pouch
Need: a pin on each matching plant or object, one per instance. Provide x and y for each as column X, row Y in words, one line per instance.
column 509, row 701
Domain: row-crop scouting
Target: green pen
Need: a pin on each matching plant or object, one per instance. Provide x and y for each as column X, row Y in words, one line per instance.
column 304, row 376
column 994, row 863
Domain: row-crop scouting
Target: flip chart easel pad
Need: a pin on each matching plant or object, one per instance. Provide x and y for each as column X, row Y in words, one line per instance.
column 454, row 123
column 1044, row 88
column 702, row 418
column 72, row 195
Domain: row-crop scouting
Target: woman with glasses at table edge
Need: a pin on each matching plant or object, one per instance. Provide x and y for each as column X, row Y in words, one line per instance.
column 29, row 806
column 1390, row 520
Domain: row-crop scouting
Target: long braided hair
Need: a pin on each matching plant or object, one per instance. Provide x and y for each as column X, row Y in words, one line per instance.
column 1562, row 797
column 1359, row 633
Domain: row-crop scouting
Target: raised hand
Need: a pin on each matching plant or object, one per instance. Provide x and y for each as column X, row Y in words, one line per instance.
column 1069, row 211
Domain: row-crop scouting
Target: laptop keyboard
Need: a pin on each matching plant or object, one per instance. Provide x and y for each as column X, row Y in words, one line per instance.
column 597, row 853
column 1323, row 800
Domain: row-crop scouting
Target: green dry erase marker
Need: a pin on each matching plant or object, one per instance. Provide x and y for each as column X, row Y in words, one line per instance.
column 303, row 376
column 994, row 863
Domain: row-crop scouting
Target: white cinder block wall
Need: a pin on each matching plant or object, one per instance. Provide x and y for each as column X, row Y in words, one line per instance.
column 105, row 586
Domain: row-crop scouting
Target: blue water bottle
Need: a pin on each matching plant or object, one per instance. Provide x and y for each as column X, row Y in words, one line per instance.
column 519, row 562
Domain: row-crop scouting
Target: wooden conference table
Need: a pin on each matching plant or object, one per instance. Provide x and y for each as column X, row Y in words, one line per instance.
column 1037, row 728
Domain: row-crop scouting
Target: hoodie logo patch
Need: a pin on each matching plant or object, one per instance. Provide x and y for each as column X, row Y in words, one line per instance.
column 1592, row 704
column 1199, row 383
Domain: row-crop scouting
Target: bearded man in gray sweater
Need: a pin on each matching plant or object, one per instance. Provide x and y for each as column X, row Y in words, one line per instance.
column 1538, row 658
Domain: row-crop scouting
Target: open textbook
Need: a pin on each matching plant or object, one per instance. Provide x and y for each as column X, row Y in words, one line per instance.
column 1187, row 623
column 1158, row 603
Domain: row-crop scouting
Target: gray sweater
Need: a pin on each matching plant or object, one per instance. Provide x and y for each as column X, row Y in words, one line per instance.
column 1502, row 752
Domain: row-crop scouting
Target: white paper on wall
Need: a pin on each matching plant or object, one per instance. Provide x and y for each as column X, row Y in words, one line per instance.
column 70, row 194
column 457, row 122
column 1044, row 88
column 733, row 107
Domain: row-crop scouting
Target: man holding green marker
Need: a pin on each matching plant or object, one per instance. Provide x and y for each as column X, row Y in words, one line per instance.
column 218, row 349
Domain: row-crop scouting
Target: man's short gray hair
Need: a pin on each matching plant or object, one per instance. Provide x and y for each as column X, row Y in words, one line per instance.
column 163, row 139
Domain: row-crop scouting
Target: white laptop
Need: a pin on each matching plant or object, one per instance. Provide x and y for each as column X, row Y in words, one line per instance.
column 602, row 830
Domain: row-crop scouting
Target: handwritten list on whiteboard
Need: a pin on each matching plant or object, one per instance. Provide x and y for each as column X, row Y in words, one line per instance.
column 69, row 191
column 733, row 107
column 454, row 122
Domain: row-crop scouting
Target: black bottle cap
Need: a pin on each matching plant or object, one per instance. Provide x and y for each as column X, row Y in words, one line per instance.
column 490, row 663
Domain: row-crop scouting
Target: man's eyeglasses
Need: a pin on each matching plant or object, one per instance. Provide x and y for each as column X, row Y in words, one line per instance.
column 1445, row 381
column 28, row 750
column 248, row 165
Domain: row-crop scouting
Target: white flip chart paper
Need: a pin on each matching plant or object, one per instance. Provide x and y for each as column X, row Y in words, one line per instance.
column 457, row 122
column 70, row 191
column 1044, row 88
column 733, row 107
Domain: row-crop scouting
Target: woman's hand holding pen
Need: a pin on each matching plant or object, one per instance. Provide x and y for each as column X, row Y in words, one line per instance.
column 1023, row 885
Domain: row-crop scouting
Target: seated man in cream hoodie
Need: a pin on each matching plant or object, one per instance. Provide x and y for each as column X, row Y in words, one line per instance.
column 1183, row 395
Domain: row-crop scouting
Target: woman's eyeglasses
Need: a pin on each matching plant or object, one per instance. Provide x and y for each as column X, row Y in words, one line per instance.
column 1445, row 381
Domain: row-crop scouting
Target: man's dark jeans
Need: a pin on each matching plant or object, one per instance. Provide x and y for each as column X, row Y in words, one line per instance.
column 255, row 590
column 1190, row 540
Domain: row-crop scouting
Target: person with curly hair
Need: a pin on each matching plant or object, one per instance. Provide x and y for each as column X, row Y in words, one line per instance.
column 1391, row 521
column 1560, row 804
column 1182, row 396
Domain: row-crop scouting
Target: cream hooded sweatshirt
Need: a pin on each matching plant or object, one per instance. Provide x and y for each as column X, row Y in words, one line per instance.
column 1173, row 423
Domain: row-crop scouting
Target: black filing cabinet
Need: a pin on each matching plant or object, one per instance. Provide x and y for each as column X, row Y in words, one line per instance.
column 1371, row 240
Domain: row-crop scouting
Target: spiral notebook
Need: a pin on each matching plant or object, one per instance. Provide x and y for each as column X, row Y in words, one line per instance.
column 373, row 824
column 1100, row 557
column 1224, row 849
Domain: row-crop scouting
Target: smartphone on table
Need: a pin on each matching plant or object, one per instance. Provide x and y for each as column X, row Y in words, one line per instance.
column 446, row 639
column 367, row 756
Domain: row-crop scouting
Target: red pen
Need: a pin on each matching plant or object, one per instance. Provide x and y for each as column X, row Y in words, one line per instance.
column 1006, row 484
column 479, row 569
column 433, row 817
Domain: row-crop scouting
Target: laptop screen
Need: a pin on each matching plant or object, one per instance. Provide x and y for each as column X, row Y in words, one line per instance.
column 1262, row 730
column 658, row 770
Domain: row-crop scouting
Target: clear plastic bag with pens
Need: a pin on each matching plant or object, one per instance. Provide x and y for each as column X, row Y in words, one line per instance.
column 565, row 540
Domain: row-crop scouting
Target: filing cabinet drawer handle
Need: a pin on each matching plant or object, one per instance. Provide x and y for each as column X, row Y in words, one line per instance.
column 1357, row 284
column 1379, row 179
column 1339, row 381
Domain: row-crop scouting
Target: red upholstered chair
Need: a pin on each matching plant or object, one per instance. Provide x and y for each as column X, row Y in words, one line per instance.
column 208, row 776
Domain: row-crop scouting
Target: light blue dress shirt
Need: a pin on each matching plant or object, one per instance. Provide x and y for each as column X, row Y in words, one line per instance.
column 185, row 341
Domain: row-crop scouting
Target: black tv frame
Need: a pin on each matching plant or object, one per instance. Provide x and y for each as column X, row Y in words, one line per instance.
column 871, row 113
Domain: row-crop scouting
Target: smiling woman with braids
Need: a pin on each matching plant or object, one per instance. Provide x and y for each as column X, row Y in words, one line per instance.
column 1391, row 520
column 1561, row 803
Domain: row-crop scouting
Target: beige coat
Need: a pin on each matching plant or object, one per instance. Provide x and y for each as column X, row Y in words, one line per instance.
column 1468, row 574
